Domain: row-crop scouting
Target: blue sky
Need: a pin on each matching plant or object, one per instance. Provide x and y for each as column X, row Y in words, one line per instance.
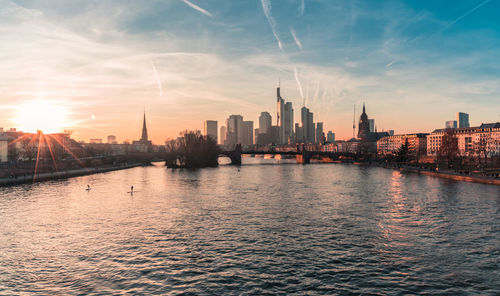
column 414, row 63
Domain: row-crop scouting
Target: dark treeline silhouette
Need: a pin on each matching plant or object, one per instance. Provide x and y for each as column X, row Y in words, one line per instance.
column 192, row 150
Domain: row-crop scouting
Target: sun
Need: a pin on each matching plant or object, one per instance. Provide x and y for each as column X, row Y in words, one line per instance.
column 40, row 114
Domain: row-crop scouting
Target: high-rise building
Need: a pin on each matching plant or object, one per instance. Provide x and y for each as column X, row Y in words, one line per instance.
column 112, row 139
column 265, row 123
column 234, row 126
column 210, row 129
column 372, row 125
column 275, row 134
column 319, row 132
column 288, row 124
column 284, row 119
column 223, row 135
column 280, row 116
column 304, row 114
column 310, row 128
column 330, row 137
column 247, row 133
column 307, row 122
column 299, row 133
column 462, row 120
column 451, row 124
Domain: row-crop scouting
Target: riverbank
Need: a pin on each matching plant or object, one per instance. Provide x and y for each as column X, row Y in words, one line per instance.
column 447, row 175
column 21, row 179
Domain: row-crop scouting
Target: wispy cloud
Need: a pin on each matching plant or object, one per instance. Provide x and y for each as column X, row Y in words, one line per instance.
column 158, row 81
column 296, row 75
column 194, row 6
column 297, row 41
column 302, row 7
column 266, row 7
column 466, row 14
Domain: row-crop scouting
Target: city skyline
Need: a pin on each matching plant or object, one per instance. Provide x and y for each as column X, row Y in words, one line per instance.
column 413, row 58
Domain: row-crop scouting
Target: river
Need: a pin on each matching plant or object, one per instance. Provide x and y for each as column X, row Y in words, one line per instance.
column 267, row 227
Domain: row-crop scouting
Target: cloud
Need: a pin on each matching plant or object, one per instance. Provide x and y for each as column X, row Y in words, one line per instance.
column 266, row 7
column 466, row 14
column 196, row 7
column 297, row 41
column 158, row 81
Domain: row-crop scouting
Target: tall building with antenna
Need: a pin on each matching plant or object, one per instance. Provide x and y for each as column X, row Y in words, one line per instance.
column 284, row 118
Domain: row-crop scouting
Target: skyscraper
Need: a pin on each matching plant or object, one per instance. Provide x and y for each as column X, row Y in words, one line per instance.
column 288, row 124
column 299, row 134
column 284, row 119
column 310, row 128
column 319, row 132
column 307, row 122
column 223, row 135
column 280, row 116
column 372, row 125
column 210, row 129
column 462, row 120
column 265, row 123
column 234, row 126
column 247, row 133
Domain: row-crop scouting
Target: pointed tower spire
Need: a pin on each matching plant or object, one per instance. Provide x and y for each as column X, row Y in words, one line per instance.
column 364, row 107
column 144, row 137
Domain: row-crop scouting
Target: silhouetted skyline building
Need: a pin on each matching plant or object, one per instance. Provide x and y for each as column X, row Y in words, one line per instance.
column 210, row 128
column 247, row 133
column 265, row 122
column 223, row 134
column 234, row 126
column 319, row 133
column 330, row 137
column 284, row 118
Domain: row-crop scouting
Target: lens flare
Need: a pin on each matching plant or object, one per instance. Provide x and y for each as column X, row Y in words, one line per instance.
column 40, row 114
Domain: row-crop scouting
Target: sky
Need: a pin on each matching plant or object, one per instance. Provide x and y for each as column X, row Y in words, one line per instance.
column 99, row 64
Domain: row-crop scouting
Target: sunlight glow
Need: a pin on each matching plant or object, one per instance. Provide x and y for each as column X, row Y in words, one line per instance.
column 40, row 114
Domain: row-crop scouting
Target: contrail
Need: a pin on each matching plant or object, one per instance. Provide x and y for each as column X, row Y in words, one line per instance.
column 157, row 79
column 194, row 6
column 296, row 74
column 466, row 14
column 302, row 7
column 297, row 41
column 266, row 7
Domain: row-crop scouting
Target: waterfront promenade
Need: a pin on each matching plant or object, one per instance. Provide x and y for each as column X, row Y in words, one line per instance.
column 29, row 178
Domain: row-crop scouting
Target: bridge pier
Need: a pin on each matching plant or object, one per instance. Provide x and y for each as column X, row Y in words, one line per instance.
column 304, row 158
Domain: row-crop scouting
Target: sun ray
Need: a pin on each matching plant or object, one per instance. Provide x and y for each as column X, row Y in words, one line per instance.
column 69, row 151
column 49, row 145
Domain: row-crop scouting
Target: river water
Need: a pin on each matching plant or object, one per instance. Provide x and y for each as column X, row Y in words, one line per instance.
column 269, row 227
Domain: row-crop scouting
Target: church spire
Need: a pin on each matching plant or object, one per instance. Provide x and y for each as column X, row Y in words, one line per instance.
column 144, row 137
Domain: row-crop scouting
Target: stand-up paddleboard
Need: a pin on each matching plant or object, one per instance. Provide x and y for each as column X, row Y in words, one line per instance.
column 132, row 192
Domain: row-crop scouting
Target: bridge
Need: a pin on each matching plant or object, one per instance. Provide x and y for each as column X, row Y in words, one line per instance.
column 302, row 155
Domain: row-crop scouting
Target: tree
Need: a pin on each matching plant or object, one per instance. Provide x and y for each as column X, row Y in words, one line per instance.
column 448, row 151
column 402, row 153
column 192, row 150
